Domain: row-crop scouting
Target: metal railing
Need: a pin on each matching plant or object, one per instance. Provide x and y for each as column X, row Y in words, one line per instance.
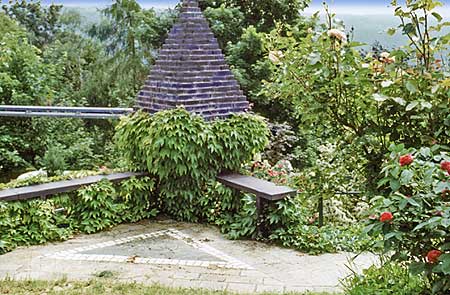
column 63, row 112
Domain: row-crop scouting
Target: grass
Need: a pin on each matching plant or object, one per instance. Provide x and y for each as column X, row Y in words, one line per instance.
column 101, row 287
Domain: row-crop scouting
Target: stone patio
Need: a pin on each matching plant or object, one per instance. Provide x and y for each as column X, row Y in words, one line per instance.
column 182, row 255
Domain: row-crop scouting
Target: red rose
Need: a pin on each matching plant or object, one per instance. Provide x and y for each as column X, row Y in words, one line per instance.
column 406, row 160
column 445, row 166
column 433, row 256
column 386, row 216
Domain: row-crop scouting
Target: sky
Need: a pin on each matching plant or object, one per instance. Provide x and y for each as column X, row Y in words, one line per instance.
column 358, row 7
column 355, row 7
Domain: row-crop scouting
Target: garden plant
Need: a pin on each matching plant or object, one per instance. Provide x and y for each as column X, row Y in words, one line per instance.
column 361, row 131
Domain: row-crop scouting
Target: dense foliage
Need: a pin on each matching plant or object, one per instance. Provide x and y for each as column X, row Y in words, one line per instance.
column 48, row 56
column 368, row 101
column 388, row 279
column 241, row 27
column 87, row 210
column 185, row 153
column 414, row 218
column 334, row 111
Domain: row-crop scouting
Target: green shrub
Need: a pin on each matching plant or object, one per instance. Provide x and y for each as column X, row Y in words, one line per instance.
column 54, row 159
column 388, row 279
column 87, row 210
column 96, row 208
column 414, row 214
column 294, row 222
column 185, row 154
column 135, row 195
column 28, row 223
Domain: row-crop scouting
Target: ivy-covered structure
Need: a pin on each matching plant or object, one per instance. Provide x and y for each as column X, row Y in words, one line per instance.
column 191, row 71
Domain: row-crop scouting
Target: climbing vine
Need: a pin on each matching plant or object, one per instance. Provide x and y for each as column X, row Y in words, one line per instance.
column 185, row 153
column 88, row 210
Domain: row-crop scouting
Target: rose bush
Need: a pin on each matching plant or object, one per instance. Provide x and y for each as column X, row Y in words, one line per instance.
column 406, row 160
column 415, row 212
column 386, row 216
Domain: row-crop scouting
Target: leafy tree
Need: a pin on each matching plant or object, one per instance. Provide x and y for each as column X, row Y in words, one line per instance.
column 263, row 14
column 24, row 78
column 247, row 57
column 56, row 76
column 226, row 23
column 131, row 36
column 41, row 22
column 369, row 102
column 240, row 27
column 7, row 24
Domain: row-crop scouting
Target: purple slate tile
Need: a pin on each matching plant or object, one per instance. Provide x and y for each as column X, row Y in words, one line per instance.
column 191, row 70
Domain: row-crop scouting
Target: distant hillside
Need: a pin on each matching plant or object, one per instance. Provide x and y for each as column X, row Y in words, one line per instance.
column 371, row 28
column 90, row 15
column 367, row 28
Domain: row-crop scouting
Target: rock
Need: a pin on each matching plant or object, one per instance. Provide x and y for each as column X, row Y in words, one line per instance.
column 32, row 174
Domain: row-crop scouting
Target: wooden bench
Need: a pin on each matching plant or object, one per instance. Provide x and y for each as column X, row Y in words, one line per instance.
column 263, row 190
column 53, row 188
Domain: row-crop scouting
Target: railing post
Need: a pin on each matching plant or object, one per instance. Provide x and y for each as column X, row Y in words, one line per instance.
column 320, row 211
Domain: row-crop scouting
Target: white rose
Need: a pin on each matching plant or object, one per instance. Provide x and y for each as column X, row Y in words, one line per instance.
column 385, row 55
column 276, row 56
column 341, row 36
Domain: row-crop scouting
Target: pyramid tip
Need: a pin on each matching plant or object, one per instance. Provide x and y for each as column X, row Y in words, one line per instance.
column 191, row 3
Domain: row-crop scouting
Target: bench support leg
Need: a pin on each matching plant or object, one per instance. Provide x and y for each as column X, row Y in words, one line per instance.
column 261, row 224
column 320, row 212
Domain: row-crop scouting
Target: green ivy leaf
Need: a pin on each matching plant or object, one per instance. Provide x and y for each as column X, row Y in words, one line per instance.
column 412, row 105
column 426, row 105
column 399, row 100
column 417, row 268
column 395, row 185
column 442, row 186
column 437, row 16
column 391, row 31
column 380, row 97
column 406, row 176
column 411, row 86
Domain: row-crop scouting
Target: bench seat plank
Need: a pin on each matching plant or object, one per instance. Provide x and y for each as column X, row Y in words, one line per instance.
column 52, row 188
column 261, row 188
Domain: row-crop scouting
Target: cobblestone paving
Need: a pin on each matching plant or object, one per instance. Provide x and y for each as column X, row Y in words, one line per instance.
column 242, row 266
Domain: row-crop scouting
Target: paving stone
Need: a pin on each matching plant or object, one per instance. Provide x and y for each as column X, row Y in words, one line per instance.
column 186, row 276
column 252, row 273
column 275, row 267
column 273, row 282
column 244, row 280
column 225, row 272
column 213, row 277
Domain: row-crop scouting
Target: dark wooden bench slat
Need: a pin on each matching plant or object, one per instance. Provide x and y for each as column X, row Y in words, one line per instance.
column 52, row 188
column 261, row 188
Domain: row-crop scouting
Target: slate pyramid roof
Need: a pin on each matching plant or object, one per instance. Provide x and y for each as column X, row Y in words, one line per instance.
column 191, row 71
